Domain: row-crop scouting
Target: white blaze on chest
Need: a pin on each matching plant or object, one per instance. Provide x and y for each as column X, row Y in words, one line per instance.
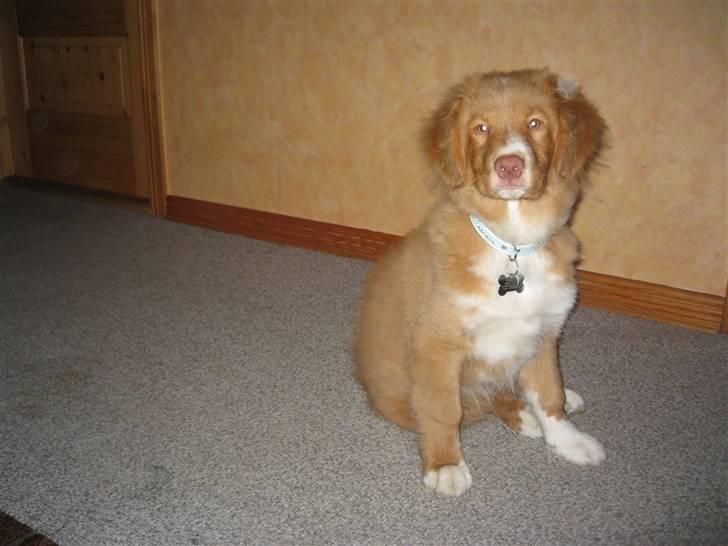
column 519, row 229
column 506, row 330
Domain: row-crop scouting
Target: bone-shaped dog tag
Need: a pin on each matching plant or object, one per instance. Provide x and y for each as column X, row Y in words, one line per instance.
column 512, row 282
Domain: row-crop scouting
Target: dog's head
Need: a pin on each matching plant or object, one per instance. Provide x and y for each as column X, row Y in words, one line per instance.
column 511, row 134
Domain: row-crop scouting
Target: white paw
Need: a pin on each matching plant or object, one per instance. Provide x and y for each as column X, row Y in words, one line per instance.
column 451, row 480
column 574, row 402
column 529, row 424
column 578, row 447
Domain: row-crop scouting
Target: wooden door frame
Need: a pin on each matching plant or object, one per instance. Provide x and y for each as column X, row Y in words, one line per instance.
column 146, row 63
column 724, row 323
column 14, row 143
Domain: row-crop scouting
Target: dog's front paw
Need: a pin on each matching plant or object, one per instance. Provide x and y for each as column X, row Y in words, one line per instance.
column 451, row 480
column 578, row 447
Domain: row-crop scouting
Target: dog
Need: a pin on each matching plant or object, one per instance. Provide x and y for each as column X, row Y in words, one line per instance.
column 461, row 318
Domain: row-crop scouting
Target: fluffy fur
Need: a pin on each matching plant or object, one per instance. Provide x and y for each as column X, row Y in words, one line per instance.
column 437, row 347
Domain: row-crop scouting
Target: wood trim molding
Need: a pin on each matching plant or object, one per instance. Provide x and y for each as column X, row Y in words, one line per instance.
column 278, row 228
column 146, row 16
column 624, row 296
column 651, row 301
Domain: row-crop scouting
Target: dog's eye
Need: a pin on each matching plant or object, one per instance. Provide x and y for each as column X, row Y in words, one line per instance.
column 482, row 128
column 535, row 123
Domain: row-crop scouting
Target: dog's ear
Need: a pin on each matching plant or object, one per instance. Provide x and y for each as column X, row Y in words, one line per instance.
column 445, row 140
column 581, row 129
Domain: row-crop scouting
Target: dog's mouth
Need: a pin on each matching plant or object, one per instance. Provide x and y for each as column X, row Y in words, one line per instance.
column 511, row 191
column 489, row 185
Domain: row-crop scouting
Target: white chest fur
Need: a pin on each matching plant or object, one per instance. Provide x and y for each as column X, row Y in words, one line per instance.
column 505, row 331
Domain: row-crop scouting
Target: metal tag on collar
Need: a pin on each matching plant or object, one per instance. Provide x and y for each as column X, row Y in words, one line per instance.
column 511, row 282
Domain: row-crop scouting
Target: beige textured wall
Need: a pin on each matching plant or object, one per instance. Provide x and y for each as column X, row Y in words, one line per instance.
column 313, row 110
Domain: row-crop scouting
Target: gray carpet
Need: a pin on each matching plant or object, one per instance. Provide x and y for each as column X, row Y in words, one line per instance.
column 165, row 384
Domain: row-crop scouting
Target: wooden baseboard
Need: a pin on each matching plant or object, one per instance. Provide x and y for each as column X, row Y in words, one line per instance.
column 278, row 228
column 651, row 301
column 624, row 296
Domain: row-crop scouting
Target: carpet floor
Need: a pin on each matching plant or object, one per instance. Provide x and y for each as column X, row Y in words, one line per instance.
column 165, row 384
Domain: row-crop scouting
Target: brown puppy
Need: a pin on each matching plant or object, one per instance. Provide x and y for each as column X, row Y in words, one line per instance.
column 462, row 317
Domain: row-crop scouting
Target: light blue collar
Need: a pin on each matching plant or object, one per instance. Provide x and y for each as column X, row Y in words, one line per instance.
column 513, row 251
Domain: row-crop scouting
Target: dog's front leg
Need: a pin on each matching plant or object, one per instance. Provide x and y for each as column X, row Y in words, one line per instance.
column 541, row 383
column 436, row 402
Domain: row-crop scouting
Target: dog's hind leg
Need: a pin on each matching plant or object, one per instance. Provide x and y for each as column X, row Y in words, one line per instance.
column 396, row 409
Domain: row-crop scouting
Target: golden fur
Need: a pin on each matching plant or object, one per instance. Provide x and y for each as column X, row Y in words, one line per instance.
column 435, row 349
